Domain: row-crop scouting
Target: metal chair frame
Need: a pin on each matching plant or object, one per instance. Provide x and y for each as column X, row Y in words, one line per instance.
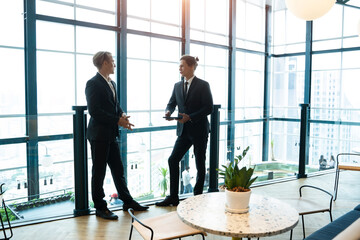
column 7, row 217
column 315, row 211
column 343, row 167
column 131, row 212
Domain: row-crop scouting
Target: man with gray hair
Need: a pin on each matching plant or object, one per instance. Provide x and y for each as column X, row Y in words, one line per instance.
column 106, row 116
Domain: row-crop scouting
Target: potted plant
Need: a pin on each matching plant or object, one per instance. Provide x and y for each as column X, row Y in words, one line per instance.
column 237, row 184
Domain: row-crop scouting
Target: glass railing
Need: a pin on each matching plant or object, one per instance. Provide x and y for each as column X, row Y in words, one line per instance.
column 38, row 168
column 148, row 150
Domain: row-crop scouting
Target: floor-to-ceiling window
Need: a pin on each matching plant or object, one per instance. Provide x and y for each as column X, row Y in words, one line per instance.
column 152, row 71
column 287, row 87
column 335, row 77
column 12, row 98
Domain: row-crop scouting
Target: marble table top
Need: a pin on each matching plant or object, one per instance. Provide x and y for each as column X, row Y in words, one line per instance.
column 266, row 217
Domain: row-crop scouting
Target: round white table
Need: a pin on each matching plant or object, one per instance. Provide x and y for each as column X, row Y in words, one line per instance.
column 266, row 217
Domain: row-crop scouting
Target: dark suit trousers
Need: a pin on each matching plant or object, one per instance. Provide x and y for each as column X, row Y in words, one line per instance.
column 107, row 153
column 182, row 145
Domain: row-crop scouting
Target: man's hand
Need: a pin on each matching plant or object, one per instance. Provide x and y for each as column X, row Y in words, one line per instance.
column 168, row 114
column 184, row 119
column 124, row 122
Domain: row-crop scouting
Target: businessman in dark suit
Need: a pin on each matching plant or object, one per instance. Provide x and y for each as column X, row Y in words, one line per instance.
column 103, row 132
column 193, row 98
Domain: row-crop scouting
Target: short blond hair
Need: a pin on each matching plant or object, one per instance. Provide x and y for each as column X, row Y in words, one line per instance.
column 100, row 57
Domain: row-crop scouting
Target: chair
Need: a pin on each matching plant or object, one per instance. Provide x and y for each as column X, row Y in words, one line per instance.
column 6, row 214
column 343, row 167
column 306, row 206
column 166, row 226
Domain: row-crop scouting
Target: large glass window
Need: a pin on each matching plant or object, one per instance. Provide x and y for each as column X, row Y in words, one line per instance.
column 334, row 98
column 213, row 68
column 284, row 141
column 152, row 16
column 152, row 72
column 328, row 140
column 289, row 32
column 327, row 33
column 326, row 82
column 83, row 10
column 351, row 16
column 12, row 83
column 287, row 86
column 250, row 24
column 13, row 169
column 204, row 26
column 249, row 85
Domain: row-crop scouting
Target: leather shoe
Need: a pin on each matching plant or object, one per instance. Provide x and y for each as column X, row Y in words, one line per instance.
column 106, row 214
column 168, row 201
column 135, row 206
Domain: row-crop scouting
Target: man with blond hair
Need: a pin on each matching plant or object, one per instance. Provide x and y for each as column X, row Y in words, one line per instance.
column 103, row 132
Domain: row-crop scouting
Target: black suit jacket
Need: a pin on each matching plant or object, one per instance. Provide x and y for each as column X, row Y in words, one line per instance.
column 198, row 104
column 104, row 110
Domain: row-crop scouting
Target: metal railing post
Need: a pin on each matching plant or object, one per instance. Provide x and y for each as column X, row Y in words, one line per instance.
column 80, row 162
column 304, row 140
column 214, row 149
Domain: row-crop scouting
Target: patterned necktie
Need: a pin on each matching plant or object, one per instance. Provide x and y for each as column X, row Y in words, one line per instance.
column 186, row 89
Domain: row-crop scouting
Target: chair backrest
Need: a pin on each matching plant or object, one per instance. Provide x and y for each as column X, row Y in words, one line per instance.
column 352, row 164
column 165, row 226
column 331, row 197
column 133, row 218
column 1, row 192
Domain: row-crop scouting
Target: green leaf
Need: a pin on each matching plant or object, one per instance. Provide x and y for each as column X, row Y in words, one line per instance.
column 234, row 176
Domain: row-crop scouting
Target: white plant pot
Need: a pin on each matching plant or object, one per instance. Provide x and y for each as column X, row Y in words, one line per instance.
column 237, row 202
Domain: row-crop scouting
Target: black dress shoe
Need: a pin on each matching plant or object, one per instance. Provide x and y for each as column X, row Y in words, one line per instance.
column 106, row 214
column 168, row 201
column 134, row 205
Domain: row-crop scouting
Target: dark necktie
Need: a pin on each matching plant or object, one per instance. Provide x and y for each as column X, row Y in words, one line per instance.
column 186, row 89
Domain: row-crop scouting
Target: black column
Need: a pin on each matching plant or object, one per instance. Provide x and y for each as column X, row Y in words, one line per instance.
column 304, row 140
column 305, row 108
column 122, row 74
column 267, row 76
column 80, row 162
column 31, row 99
column 231, row 81
column 214, row 149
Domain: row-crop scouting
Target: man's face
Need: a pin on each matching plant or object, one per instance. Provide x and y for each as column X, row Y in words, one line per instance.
column 110, row 65
column 185, row 70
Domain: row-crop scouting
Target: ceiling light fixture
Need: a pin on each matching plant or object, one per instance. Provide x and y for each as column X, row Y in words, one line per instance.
column 309, row 9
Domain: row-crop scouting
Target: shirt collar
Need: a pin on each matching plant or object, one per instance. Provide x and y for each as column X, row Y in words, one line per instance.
column 190, row 80
column 107, row 80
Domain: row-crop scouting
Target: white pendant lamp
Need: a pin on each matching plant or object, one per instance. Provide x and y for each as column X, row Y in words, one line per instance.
column 309, row 9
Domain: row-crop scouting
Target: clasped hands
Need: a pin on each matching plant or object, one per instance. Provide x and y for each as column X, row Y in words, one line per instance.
column 125, row 123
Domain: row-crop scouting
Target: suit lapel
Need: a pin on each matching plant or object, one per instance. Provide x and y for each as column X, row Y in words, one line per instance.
column 107, row 87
